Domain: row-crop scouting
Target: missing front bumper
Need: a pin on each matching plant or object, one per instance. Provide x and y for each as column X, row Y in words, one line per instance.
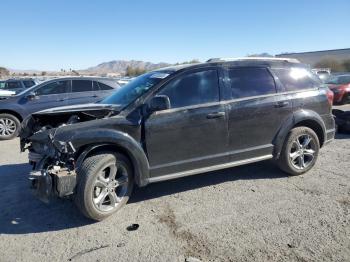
column 52, row 183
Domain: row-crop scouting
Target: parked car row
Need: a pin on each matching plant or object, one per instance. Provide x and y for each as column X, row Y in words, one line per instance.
column 174, row 122
column 340, row 85
column 14, row 86
column 49, row 94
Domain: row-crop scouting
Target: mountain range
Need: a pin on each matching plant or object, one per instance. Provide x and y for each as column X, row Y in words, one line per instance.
column 120, row 66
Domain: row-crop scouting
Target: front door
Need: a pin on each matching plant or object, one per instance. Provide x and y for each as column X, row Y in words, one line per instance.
column 52, row 94
column 192, row 134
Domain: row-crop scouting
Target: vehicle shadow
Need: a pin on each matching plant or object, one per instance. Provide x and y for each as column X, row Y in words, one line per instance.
column 261, row 170
column 342, row 136
column 22, row 213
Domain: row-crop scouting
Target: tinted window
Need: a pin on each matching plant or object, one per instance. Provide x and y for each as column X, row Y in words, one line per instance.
column 81, row 86
column 104, row 86
column 297, row 78
column 58, row 87
column 193, row 89
column 248, row 81
column 28, row 83
column 95, row 86
column 14, row 84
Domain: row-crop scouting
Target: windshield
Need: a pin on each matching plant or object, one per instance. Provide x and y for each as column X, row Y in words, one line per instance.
column 339, row 80
column 134, row 89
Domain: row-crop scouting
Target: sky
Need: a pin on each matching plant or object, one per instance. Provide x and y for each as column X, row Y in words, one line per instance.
column 50, row 35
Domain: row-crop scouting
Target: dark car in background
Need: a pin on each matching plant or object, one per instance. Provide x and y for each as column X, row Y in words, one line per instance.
column 15, row 86
column 176, row 122
column 340, row 85
column 49, row 94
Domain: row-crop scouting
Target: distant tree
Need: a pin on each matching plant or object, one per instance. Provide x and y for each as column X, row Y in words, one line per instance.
column 346, row 65
column 34, row 74
column 25, row 74
column 193, row 61
column 4, row 71
column 43, row 73
column 260, row 55
column 331, row 63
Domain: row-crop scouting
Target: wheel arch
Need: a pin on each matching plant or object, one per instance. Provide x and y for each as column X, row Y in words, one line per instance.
column 12, row 112
column 118, row 142
column 305, row 118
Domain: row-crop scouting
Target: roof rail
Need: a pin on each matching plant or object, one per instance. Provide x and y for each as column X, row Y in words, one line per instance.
column 290, row 60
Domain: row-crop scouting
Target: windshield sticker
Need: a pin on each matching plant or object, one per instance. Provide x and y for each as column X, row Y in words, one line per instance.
column 159, row 75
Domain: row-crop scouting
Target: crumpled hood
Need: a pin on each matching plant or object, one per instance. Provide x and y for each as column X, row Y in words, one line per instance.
column 79, row 108
column 66, row 115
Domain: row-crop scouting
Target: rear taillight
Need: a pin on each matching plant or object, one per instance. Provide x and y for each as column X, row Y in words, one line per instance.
column 330, row 96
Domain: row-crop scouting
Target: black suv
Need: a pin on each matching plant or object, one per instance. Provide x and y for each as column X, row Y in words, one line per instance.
column 176, row 122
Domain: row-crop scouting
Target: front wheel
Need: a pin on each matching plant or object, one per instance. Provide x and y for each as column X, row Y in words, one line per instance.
column 105, row 182
column 300, row 151
column 9, row 126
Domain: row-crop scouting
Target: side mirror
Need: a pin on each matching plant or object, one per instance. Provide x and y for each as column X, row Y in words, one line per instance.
column 159, row 103
column 31, row 96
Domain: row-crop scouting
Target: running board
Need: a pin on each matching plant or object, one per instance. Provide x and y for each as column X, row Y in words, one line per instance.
column 208, row 169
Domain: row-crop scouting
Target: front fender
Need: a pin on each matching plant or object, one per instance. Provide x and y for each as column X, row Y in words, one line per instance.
column 90, row 140
column 293, row 120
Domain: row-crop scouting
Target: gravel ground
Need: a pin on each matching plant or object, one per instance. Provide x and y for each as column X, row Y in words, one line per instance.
column 248, row 213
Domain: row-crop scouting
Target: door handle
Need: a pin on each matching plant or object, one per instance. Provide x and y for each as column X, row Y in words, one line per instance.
column 216, row 115
column 281, row 104
column 60, row 100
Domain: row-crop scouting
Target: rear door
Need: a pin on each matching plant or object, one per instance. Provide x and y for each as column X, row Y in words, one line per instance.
column 82, row 92
column 256, row 111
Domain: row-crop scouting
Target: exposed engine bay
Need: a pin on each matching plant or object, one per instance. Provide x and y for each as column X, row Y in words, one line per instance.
column 53, row 160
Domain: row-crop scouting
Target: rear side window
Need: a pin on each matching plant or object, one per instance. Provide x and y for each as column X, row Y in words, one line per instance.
column 28, row 83
column 193, row 89
column 13, row 85
column 57, row 87
column 81, row 86
column 104, row 86
column 249, row 81
column 294, row 79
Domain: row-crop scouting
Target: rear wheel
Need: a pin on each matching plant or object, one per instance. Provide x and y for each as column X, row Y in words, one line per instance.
column 300, row 151
column 105, row 182
column 9, row 126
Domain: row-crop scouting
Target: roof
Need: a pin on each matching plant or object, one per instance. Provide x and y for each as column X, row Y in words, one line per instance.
column 240, row 61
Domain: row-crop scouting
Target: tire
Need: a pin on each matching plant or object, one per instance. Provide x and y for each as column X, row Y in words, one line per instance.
column 292, row 149
column 96, row 195
column 9, row 126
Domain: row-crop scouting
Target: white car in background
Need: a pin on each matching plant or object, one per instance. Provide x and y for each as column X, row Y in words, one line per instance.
column 5, row 92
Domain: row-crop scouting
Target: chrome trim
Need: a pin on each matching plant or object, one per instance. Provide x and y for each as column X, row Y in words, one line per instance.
column 208, row 169
column 224, row 102
column 212, row 156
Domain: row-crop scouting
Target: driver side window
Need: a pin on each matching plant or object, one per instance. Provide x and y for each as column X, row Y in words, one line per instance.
column 57, row 87
column 193, row 89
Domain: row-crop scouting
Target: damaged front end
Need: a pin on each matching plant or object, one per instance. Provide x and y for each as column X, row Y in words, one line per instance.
column 53, row 160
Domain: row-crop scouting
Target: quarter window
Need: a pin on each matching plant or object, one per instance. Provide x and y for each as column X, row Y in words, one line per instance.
column 57, row 87
column 104, row 86
column 28, row 83
column 81, row 86
column 246, row 82
column 294, row 79
column 193, row 89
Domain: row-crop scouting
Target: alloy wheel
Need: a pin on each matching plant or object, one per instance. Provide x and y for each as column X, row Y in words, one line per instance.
column 302, row 152
column 7, row 127
column 110, row 187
